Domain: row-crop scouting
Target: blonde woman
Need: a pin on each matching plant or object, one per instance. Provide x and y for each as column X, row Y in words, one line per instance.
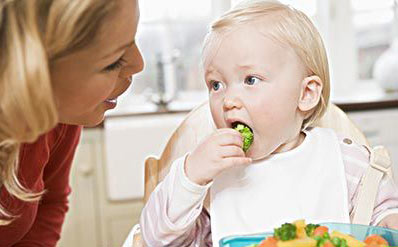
column 63, row 63
column 265, row 67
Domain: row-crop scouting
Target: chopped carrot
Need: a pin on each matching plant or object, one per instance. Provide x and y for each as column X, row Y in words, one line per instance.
column 320, row 230
column 376, row 240
column 269, row 242
column 328, row 244
column 375, row 245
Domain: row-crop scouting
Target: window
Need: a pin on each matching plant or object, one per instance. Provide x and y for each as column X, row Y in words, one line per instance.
column 157, row 10
column 373, row 23
column 170, row 35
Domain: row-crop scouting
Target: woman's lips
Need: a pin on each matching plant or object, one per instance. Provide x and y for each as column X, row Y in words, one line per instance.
column 111, row 103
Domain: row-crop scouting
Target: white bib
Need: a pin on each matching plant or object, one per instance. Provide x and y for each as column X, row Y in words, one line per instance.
column 307, row 182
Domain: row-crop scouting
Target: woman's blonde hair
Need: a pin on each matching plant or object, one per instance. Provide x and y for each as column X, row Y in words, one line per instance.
column 34, row 33
column 291, row 27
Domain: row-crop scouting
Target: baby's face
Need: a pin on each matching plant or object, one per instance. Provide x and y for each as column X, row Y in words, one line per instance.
column 255, row 80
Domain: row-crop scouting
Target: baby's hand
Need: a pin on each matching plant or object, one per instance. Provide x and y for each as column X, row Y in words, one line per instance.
column 220, row 151
column 390, row 221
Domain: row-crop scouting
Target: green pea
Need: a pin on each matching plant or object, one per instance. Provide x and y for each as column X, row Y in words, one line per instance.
column 343, row 243
column 336, row 241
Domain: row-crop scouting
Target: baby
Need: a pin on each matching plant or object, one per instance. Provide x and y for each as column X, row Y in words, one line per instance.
column 266, row 68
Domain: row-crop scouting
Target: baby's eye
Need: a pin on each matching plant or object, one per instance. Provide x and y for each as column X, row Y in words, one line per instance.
column 215, row 85
column 251, row 80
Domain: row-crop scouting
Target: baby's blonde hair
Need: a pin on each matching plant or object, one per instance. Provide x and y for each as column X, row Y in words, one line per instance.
column 34, row 33
column 291, row 27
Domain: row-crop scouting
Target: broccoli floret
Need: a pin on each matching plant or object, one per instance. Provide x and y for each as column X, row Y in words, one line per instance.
column 286, row 232
column 247, row 136
column 339, row 242
column 336, row 241
column 310, row 228
column 319, row 241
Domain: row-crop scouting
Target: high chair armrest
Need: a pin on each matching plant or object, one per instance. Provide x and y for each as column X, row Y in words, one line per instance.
column 134, row 238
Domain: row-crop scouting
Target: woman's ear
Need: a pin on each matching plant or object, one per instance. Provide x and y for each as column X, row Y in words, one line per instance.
column 311, row 90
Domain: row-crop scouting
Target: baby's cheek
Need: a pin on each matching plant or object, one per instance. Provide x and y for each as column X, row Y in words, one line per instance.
column 217, row 116
column 219, row 123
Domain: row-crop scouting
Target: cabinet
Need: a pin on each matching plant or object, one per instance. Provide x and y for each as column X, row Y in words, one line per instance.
column 380, row 127
column 82, row 225
column 95, row 217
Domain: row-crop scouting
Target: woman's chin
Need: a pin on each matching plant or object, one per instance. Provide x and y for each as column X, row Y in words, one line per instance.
column 93, row 121
column 91, row 124
column 87, row 120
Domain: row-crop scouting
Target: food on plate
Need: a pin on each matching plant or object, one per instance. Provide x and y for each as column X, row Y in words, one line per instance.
column 300, row 234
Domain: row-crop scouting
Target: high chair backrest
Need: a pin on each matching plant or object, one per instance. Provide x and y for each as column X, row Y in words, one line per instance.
column 198, row 124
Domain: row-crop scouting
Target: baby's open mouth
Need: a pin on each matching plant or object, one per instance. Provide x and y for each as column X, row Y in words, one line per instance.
column 246, row 132
column 235, row 124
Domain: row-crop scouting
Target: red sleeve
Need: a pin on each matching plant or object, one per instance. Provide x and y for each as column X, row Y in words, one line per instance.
column 46, row 229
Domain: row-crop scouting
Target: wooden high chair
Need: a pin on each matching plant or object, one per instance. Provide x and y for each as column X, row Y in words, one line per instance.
column 198, row 125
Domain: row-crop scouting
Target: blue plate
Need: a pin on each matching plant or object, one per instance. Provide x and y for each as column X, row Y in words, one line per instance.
column 360, row 232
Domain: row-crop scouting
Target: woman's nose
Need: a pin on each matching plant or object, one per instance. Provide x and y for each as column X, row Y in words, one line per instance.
column 134, row 60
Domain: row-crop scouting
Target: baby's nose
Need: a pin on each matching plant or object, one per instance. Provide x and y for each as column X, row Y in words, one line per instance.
column 231, row 103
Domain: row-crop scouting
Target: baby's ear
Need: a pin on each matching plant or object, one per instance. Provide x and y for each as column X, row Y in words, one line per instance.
column 311, row 90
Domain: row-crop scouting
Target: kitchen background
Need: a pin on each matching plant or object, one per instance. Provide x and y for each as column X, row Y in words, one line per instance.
column 108, row 174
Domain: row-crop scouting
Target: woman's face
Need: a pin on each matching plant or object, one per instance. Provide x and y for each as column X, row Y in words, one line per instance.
column 88, row 82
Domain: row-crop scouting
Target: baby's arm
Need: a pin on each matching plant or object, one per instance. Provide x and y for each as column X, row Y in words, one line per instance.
column 386, row 207
column 172, row 209
column 173, row 214
column 356, row 161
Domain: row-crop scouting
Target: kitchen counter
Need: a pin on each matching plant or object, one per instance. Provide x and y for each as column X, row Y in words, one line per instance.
column 367, row 96
column 140, row 105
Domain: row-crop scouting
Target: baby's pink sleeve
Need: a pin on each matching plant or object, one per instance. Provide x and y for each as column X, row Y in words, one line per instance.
column 356, row 161
column 174, row 214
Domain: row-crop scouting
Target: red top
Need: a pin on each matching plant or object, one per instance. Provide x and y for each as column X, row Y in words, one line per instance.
column 44, row 164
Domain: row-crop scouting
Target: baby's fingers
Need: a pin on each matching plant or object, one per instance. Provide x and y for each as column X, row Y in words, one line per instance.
column 390, row 221
column 231, row 151
column 229, row 137
column 236, row 161
column 395, row 227
column 392, row 225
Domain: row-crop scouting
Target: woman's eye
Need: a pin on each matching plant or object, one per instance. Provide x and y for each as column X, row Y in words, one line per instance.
column 114, row 66
column 215, row 85
column 251, row 80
